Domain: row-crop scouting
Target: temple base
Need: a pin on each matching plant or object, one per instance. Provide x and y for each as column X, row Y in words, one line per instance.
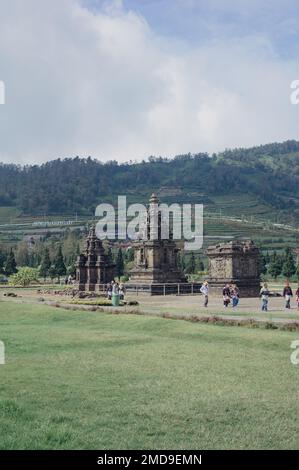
column 247, row 287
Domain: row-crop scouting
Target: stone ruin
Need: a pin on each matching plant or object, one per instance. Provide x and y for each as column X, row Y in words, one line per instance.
column 236, row 262
column 155, row 259
column 93, row 268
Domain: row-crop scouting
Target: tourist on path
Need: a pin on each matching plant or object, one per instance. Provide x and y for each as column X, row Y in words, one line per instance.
column 109, row 291
column 115, row 288
column 122, row 291
column 235, row 295
column 226, row 295
column 264, row 293
column 287, row 294
column 297, row 297
column 205, row 291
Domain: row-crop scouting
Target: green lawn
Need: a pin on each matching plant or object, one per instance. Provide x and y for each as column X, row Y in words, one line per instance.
column 87, row 380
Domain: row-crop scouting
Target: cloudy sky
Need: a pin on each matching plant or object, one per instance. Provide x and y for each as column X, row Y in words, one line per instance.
column 128, row 79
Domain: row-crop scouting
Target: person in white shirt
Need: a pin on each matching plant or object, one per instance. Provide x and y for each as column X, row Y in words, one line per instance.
column 264, row 293
column 205, row 291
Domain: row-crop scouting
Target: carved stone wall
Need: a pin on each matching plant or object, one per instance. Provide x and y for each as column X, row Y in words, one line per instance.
column 235, row 262
column 155, row 258
column 93, row 267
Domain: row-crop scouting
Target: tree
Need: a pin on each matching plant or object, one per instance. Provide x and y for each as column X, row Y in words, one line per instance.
column 52, row 272
column 45, row 264
column 109, row 255
column 71, row 270
column 22, row 254
column 267, row 257
column 130, row 255
column 2, row 261
column 191, row 265
column 10, row 266
column 24, row 277
column 70, row 247
column 181, row 262
column 200, row 265
column 275, row 267
column 59, row 264
column 120, row 263
column 288, row 268
column 262, row 264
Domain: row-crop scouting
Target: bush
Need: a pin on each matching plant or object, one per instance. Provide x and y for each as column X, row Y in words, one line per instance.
column 24, row 277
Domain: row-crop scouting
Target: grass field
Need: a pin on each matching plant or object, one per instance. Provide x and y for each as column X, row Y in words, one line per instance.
column 86, row 380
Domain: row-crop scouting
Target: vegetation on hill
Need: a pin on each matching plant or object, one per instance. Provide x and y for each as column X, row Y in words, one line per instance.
column 270, row 173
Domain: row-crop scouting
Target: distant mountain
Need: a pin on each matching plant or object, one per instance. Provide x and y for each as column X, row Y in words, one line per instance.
column 267, row 175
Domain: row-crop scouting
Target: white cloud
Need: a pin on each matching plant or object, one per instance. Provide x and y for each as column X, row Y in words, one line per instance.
column 104, row 84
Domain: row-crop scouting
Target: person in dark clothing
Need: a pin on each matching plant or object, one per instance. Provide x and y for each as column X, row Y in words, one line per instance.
column 297, row 297
column 287, row 294
column 109, row 291
column 226, row 295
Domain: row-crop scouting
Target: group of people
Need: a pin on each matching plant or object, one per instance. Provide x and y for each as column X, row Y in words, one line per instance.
column 69, row 280
column 287, row 295
column 231, row 295
column 117, row 289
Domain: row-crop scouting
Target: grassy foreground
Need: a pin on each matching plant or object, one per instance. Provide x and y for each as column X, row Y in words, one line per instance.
column 86, row 380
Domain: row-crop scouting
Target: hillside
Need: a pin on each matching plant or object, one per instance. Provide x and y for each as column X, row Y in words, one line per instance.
column 260, row 182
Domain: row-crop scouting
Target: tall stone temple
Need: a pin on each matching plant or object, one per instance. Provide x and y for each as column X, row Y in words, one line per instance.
column 155, row 259
column 93, row 268
column 235, row 262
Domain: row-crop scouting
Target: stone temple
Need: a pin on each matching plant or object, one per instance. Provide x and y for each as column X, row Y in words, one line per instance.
column 235, row 262
column 155, row 259
column 93, row 268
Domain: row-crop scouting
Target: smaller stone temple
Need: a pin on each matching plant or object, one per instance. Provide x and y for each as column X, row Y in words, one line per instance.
column 155, row 259
column 236, row 262
column 93, row 268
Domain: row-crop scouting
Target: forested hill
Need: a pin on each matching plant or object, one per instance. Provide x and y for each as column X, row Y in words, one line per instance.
column 65, row 186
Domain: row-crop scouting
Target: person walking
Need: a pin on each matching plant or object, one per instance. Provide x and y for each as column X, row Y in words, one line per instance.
column 287, row 294
column 226, row 295
column 297, row 297
column 109, row 291
column 205, row 291
column 264, row 293
column 235, row 295
column 122, row 291
column 115, row 288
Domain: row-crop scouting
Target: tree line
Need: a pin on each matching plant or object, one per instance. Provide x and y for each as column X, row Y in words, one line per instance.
column 71, row 185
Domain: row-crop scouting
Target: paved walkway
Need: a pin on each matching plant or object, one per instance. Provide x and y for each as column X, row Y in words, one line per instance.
column 193, row 305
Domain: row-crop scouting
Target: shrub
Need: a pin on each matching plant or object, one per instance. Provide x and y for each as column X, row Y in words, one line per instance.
column 24, row 277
